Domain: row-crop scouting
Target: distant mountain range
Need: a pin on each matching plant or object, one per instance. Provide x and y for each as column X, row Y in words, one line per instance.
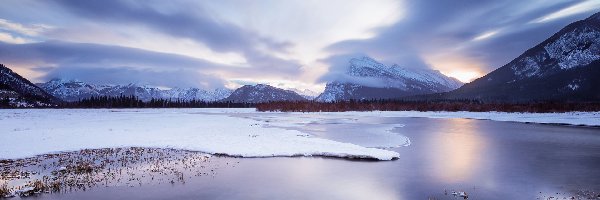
column 564, row 67
column 370, row 79
column 72, row 90
column 20, row 92
column 262, row 93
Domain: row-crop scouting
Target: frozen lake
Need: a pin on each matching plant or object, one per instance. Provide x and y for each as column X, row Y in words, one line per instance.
column 486, row 159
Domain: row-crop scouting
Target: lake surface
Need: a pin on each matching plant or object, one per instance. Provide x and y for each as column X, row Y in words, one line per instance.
column 486, row 159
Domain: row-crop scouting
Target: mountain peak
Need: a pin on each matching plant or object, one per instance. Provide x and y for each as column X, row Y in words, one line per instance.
column 262, row 93
column 364, row 59
column 262, row 86
column 369, row 79
column 62, row 81
column 364, row 62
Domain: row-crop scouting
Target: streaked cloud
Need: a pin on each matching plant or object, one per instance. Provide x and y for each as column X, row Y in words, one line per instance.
column 486, row 35
column 9, row 38
column 584, row 6
column 93, row 62
column 30, row 30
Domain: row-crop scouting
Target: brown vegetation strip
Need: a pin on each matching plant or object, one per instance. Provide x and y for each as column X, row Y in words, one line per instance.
column 391, row 105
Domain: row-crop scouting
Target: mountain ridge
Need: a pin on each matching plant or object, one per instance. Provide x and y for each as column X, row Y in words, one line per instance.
column 262, row 93
column 368, row 79
column 73, row 90
column 20, row 92
column 564, row 67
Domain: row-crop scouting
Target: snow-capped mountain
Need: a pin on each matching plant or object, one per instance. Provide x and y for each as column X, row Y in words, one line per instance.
column 565, row 66
column 306, row 93
column 20, row 92
column 73, row 90
column 366, row 78
column 262, row 93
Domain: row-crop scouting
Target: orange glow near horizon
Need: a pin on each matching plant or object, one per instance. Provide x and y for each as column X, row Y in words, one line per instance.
column 464, row 76
column 463, row 68
column 27, row 73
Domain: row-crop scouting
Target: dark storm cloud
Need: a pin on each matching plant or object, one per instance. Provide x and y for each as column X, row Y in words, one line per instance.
column 187, row 23
column 105, row 64
column 66, row 53
column 125, row 75
column 194, row 24
column 432, row 27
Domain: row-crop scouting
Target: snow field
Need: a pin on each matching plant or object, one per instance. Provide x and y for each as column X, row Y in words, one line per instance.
column 25, row 133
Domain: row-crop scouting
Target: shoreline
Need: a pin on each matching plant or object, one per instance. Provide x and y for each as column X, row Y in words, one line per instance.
column 88, row 168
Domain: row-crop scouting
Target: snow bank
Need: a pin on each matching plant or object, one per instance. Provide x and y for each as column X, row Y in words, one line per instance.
column 25, row 133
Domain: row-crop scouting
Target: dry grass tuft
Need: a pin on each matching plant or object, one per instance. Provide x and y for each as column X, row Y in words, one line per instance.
column 5, row 191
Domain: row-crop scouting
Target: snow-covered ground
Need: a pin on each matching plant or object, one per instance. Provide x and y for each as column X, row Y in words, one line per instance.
column 29, row 132
column 25, row 133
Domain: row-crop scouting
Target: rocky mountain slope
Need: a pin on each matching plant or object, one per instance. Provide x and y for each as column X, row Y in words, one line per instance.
column 368, row 79
column 262, row 93
column 19, row 92
column 564, row 67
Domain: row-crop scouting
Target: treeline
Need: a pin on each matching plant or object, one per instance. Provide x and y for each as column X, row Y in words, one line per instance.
column 442, row 105
column 134, row 102
column 5, row 102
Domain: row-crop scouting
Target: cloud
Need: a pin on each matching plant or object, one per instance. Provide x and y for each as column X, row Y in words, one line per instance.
column 273, row 38
column 584, row 6
column 265, row 40
column 339, row 66
column 185, row 22
column 84, row 54
column 29, row 30
column 292, row 42
column 110, row 63
column 8, row 38
column 56, row 57
column 309, row 24
column 466, row 37
column 486, row 35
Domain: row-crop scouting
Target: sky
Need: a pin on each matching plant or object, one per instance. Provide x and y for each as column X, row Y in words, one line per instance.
column 287, row 44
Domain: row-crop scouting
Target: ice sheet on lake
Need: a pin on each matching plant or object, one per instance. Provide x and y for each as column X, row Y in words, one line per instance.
column 25, row 133
column 338, row 128
column 570, row 118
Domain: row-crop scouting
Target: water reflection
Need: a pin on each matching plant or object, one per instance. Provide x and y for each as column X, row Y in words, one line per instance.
column 455, row 154
column 347, row 184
